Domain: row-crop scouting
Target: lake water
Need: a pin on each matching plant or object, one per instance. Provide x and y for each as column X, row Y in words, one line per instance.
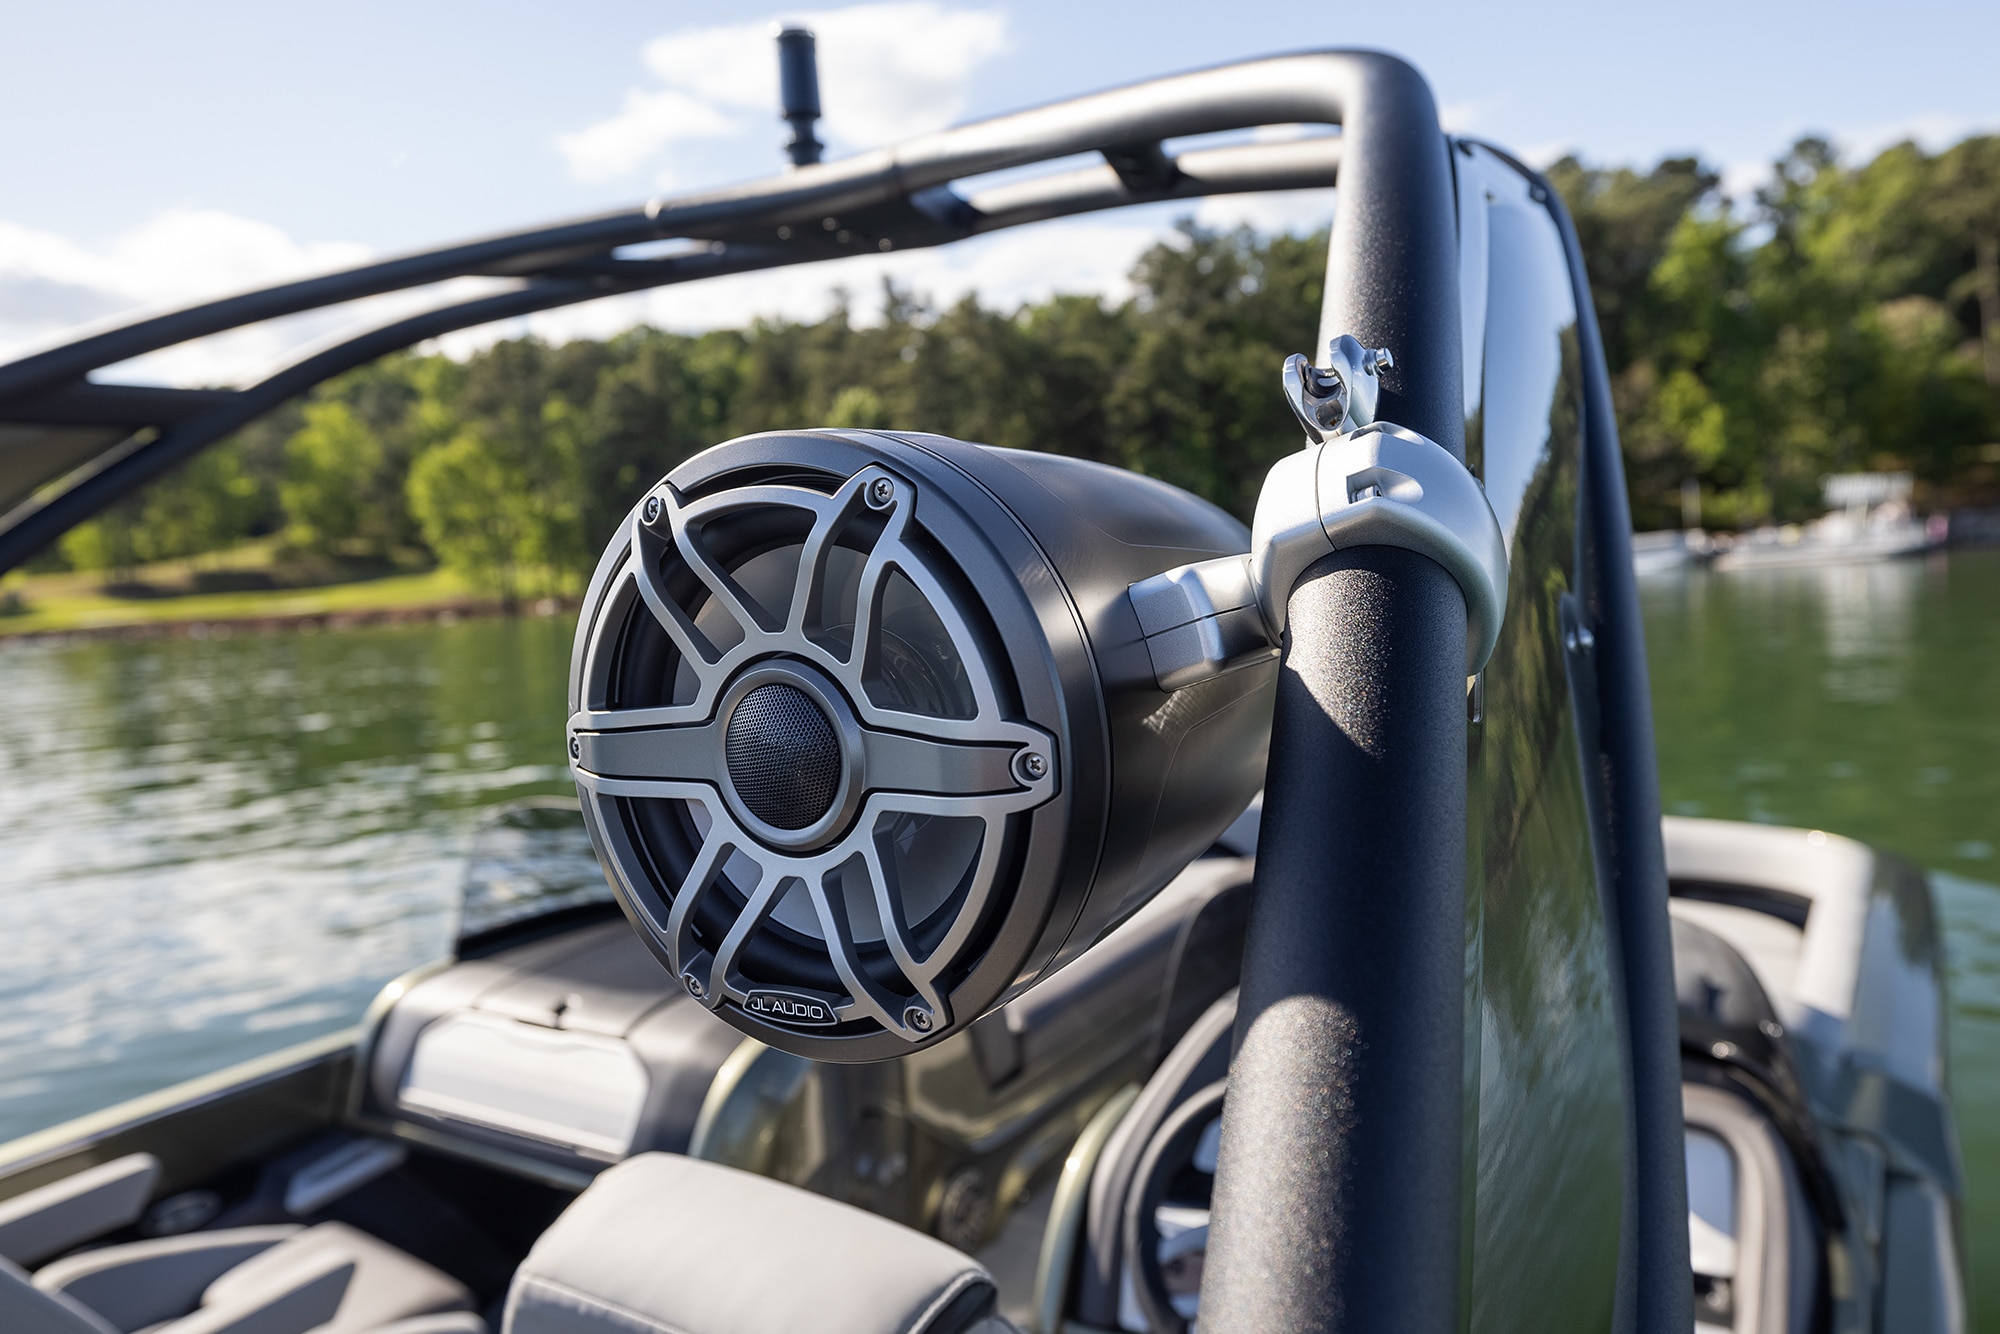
column 1863, row 700
column 210, row 849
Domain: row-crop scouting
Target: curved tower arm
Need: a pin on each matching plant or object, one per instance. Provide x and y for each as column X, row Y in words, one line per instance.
column 101, row 443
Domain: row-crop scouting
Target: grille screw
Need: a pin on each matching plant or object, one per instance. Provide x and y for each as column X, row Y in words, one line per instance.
column 576, row 748
column 919, row 1018
column 1032, row 766
column 652, row 511
column 694, row 986
column 881, row 493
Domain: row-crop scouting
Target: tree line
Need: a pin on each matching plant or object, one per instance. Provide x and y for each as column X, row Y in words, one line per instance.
column 1847, row 318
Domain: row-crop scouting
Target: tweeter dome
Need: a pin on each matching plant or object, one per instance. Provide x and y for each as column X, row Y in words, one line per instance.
column 867, row 735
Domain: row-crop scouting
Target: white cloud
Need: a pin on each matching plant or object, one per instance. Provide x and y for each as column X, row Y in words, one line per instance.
column 53, row 289
column 1933, row 132
column 893, row 70
column 886, row 71
column 1278, row 211
column 650, row 122
column 1545, row 155
column 174, row 256
column 1459, row 117
column 1742, row 180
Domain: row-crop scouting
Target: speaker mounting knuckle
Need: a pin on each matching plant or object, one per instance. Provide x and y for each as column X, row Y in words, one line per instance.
column 1380, row 485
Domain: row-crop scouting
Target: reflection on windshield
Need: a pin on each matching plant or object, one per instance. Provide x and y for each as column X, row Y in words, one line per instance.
column 1530, row 347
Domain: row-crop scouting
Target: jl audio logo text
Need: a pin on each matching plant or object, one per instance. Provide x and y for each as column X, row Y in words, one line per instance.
column 787, row 1007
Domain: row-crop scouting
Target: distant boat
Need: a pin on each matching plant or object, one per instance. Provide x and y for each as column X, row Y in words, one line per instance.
column 1669, row 550
column 1871, row 519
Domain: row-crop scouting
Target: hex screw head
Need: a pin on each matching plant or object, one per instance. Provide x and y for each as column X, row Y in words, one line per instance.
column 694, row 986
column 919, row 1018
column 651, row 512
column 1032, row 766
column 881, row 493
column 576, row 748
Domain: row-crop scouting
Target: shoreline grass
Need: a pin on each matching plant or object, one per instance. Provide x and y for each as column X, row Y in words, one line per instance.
column 72, row 602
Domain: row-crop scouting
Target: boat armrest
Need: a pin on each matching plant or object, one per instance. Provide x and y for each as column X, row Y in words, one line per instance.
column 51, row 1219
column 149, row 1282
column 662, row 1242
column 304, row 1297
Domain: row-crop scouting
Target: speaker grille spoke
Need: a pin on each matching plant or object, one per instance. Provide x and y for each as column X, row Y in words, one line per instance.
column 889, row 903
column 870, row 998
column 978, row 891
column 897, row 762
column 617, row 743
column 724, row 979
column 751, row 619
column 849, row 522
column 708, row 862
column 648, row 551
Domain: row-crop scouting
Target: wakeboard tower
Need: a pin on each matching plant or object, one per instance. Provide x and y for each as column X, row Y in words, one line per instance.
column 923, row 775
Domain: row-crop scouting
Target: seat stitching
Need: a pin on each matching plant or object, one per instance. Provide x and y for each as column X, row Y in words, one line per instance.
column 598, row 1303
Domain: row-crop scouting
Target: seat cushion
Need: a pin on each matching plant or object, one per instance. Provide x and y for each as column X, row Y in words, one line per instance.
column 145, row 1283
column 387, row 1285
column 662, row 1244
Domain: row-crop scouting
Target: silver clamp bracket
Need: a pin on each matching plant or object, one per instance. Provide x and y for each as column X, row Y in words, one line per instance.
column 1381, row 486
column 1378, row 485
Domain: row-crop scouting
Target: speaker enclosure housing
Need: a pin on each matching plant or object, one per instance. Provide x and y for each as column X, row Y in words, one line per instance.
column 1092, row 787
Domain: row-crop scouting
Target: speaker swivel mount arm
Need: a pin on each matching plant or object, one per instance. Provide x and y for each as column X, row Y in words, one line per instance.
column 1365, row 483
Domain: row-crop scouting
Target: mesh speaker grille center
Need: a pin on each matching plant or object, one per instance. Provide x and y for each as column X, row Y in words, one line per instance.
column 783, row 756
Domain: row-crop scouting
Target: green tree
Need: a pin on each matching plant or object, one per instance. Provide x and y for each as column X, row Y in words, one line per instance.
column 1625, row 220
column 208, row 504
column 329, row 466
column 1966, row 205
column 341, row 484
column 473, row 502
column 1196, row 402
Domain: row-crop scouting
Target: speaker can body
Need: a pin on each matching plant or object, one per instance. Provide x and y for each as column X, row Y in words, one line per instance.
column 867, row 736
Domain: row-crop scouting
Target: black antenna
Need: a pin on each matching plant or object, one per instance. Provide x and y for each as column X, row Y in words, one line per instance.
column 798, row 92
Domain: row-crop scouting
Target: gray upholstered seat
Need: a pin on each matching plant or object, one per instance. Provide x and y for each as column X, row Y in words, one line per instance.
column 282, row 1279
column 662, row 1244
column 328, row 1279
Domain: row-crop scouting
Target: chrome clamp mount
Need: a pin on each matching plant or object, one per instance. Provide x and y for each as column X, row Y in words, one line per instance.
column 1370, row 484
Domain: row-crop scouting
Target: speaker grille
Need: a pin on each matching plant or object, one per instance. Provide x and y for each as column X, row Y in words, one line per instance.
column 783, row 757
column 800, row 757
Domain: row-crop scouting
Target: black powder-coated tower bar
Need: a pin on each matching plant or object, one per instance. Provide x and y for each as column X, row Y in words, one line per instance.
column 1338, row 1201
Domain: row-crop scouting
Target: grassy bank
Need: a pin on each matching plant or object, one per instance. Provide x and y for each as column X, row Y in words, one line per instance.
column 247, row 586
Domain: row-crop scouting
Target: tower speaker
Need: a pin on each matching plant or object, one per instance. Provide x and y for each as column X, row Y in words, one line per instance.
column 867, row 735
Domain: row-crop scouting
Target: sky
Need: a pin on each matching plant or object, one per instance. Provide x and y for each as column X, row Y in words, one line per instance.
column 161, row 153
